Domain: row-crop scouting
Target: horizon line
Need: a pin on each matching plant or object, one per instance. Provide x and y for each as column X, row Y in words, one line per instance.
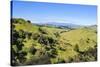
column 61, row 21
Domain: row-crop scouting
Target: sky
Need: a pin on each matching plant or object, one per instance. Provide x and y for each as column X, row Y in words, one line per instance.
column 39, row 12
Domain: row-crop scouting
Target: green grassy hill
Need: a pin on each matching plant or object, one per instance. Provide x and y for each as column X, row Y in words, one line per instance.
column 35, row 44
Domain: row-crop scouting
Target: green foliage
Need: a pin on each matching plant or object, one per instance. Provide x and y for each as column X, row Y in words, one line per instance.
column 35, row 44
column 28, row 21
column 43, row 31
column 32, row 50
column 17, row 55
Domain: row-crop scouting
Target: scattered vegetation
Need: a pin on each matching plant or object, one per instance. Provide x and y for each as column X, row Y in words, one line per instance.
column 35, row 44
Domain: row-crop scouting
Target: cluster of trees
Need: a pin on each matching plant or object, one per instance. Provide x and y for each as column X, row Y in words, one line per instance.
column 18, row 56
column 85, row 56
column 17, row 39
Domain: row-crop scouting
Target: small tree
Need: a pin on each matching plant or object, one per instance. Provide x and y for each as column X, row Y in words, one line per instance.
column 28, row 21
column 76, row 48
column 32, row 50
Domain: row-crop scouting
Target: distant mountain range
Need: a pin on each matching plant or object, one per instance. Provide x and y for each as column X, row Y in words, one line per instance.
column 64, row 25
column 61, row 25
column 94, row 27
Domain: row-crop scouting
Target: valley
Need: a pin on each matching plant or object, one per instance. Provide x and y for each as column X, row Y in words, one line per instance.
column 51, row 43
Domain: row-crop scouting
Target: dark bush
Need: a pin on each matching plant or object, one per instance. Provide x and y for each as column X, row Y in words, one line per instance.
column 43, row 31
column 53, row 53
column 32, row 50
column 28, row 21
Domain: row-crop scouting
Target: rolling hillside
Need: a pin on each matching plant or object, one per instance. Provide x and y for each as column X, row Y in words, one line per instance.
column 36, row 44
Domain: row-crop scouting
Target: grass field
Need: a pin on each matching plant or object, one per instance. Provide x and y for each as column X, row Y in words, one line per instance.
column 35, row 44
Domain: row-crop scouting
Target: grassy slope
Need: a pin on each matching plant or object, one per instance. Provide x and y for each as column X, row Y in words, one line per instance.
column 80, row 36
column 84, row 37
